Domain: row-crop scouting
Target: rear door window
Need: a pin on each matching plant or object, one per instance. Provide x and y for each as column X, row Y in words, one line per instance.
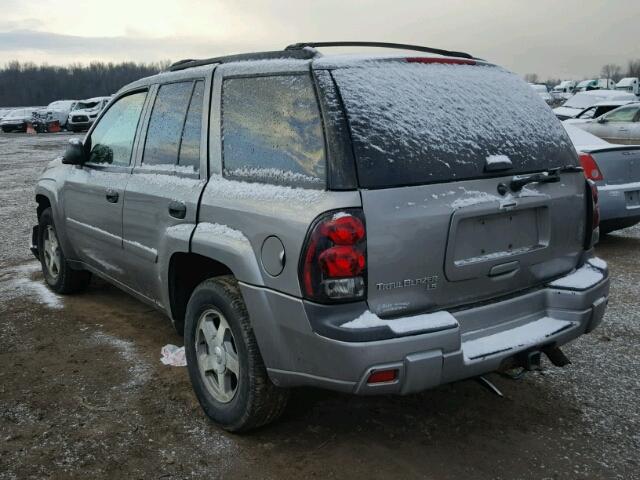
column 272, row 131
column 166, row 124
column 414, row 123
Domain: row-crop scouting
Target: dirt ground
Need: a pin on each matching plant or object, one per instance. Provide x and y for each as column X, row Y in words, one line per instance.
column 84, row 395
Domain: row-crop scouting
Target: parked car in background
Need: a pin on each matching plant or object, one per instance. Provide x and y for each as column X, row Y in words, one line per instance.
column 58, row 111
column 616, row 171
column 4, row 112
column 17, row 119
column 621, row 125
column 582, row 100
column 595, row 84
column 351, row 223
column 598, row 110
column 564, row 89
column 85, row 113
column 543, row 91
column 629, row 84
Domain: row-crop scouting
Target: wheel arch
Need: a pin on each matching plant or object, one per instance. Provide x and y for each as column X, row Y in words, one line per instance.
column 186, row 271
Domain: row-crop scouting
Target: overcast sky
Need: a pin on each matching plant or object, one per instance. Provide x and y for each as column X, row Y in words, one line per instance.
column 559, row 38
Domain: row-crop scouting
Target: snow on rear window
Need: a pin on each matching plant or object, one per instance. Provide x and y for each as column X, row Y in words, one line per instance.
column 413, row 123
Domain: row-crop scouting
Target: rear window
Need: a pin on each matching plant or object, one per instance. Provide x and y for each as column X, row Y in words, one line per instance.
column 414, row 123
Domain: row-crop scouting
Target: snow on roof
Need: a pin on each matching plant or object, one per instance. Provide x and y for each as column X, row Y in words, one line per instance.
column 626, row 82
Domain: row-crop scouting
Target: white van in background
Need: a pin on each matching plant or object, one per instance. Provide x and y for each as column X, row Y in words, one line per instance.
column 629, row 84
column 85, row 113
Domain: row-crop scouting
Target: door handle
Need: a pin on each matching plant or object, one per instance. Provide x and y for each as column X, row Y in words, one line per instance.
column 177, row 209
column 112, row 196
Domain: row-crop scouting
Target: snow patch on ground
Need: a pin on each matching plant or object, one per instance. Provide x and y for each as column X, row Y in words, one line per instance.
column 139, row 370
column 583, row 278
column 416, row 323
column 18, row 281
column 528, row 334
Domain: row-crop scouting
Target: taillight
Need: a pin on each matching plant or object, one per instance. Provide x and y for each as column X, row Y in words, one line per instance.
column 591, row 170
column 333, row 264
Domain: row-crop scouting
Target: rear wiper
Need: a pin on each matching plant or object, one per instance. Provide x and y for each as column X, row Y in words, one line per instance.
column 520, row 181
column 551, row 175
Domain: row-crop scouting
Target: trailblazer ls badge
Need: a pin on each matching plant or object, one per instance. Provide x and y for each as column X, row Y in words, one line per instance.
column 429, row 283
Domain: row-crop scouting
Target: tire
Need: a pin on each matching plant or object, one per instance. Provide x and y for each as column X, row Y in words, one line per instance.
column 256, row 401
column 7, row 129
column 60, row 277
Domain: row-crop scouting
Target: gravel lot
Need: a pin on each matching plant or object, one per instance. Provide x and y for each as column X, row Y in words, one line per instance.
column 84, row 395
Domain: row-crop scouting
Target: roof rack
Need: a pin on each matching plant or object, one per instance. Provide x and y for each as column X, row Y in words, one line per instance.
column 400, row 46
column 300, row 54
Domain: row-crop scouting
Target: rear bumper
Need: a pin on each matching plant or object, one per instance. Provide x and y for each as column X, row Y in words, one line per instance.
column 480, row 341
column 619, row 202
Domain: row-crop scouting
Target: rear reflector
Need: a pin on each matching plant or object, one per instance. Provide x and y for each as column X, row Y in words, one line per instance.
column 383, row 376
column 591, row 170
column 451, row 61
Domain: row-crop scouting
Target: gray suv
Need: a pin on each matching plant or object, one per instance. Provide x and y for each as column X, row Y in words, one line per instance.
column 366, row 224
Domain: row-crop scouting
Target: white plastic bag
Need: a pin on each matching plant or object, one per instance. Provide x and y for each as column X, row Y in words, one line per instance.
column 173, row 355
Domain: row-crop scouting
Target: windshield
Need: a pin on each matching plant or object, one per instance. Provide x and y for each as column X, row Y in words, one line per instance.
column 420, row 123
column 86, row 105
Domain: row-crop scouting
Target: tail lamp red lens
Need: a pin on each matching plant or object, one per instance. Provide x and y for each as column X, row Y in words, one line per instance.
column 342, row 261
column 333, row 264
column 383, row 376
column 591, row 170
column 344, row 229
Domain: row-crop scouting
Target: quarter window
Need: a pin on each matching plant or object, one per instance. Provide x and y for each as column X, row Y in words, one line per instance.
column 272, row 131
column 112, row 138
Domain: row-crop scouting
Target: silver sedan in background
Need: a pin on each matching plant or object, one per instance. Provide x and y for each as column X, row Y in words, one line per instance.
column 616, row 171
column 621, row 125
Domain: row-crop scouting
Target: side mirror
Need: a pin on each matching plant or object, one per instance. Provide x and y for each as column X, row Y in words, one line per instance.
column 602, row 120
column 74, row 154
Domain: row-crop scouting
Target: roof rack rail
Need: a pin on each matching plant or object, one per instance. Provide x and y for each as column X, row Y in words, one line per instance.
column 299, row 54
column 400, row 46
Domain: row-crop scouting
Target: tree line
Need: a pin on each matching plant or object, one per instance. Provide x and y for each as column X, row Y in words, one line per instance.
column 28, row 84
column 610, row 70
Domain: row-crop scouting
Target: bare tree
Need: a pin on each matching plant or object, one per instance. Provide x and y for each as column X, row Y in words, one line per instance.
column 612, row 71
column 633, row 68
column 31, row 84
column 531, row 77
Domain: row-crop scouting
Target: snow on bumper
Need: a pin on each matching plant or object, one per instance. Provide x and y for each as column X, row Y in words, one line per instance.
column 455, row 345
